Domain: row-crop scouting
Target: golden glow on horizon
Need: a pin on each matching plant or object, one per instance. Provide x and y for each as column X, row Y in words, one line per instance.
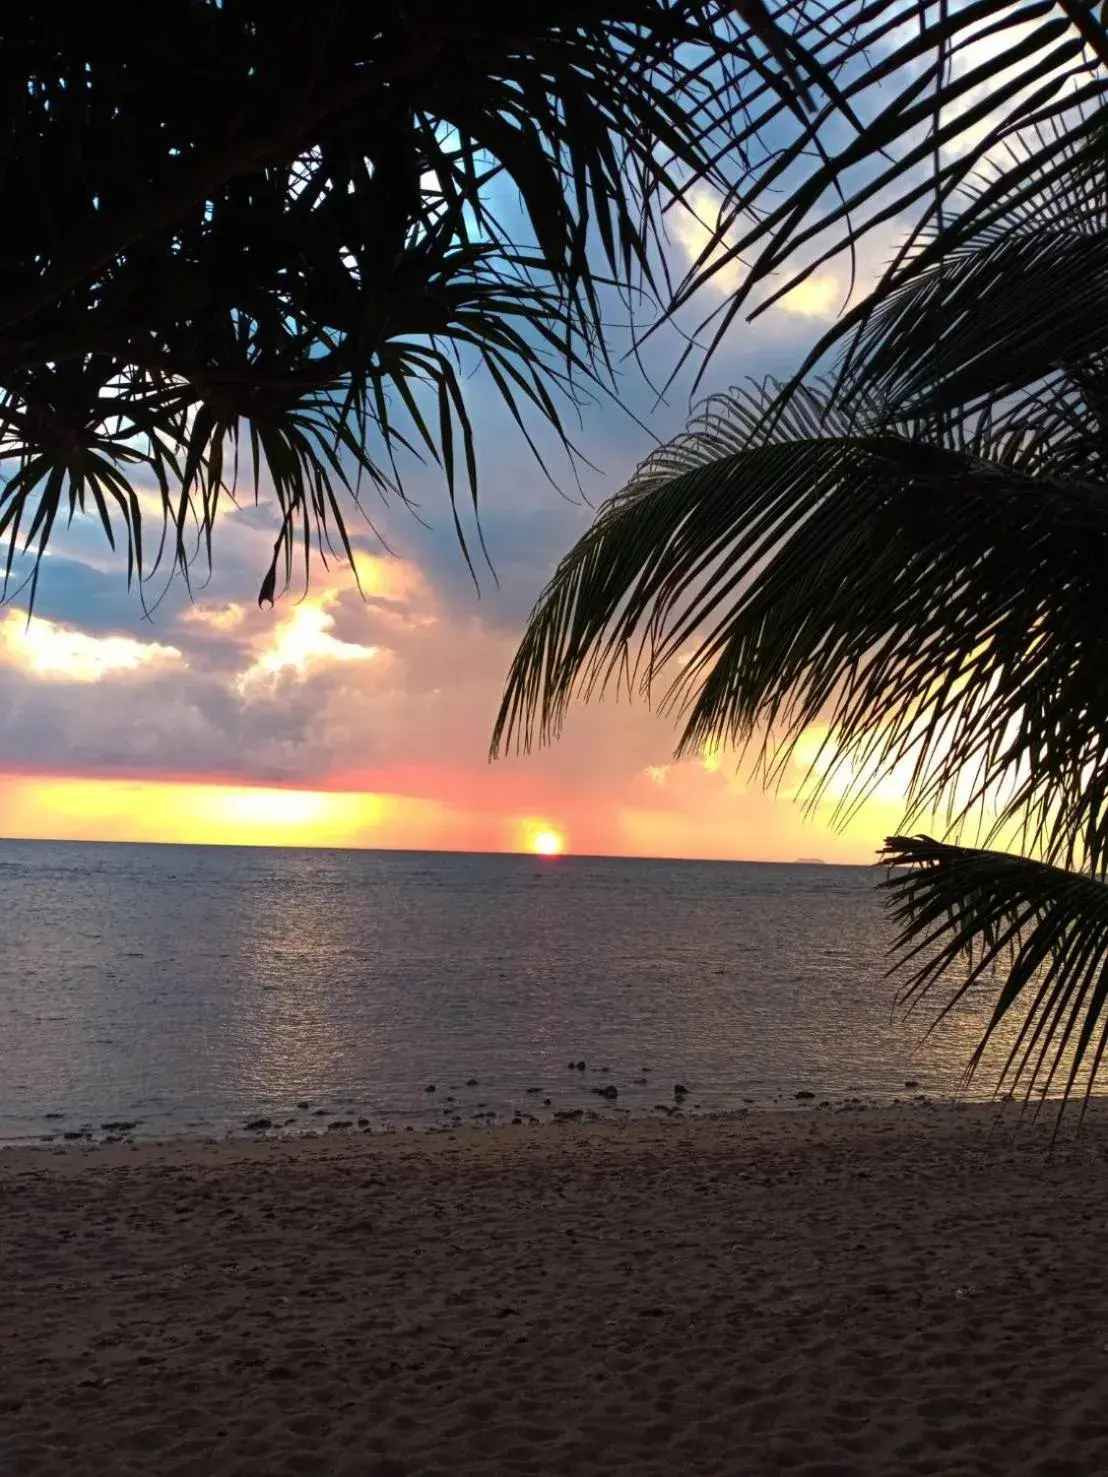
column 252, row 807
column 709, row 822
column 48, row 649
column 160, row 810
column 57, row 808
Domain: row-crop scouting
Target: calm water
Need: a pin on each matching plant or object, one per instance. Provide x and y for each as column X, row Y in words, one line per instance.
column 194, row 988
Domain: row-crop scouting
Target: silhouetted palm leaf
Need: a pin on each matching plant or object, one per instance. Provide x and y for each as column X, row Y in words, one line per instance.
column 1040, row 932
column 938, row 607
column 1018, row 288
column 937, row 90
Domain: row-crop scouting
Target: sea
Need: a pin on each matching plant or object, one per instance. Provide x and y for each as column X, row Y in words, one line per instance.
column 160, row 991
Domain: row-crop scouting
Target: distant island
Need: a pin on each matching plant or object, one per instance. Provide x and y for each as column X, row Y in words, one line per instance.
column 810, row 861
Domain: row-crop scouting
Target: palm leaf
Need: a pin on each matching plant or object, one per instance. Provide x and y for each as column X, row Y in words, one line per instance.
column 936, row 607
column 940, row 92
column 1041, row 932
column 1017, row 290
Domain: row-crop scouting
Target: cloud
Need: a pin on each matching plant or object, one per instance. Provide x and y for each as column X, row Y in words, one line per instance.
column 300, row 642
column 56, row 652
column 695, row 226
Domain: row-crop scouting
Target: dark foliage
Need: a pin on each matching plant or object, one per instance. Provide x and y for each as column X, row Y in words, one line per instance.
column 258, row 238
column 913, row 553
column 281, row 233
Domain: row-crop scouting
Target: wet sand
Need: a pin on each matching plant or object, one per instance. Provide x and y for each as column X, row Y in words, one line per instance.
column 848, row 1295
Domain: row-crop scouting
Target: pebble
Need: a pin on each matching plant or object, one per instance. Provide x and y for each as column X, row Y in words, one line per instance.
column 610, row 1092
column 430, row 1087
column 258, row 1125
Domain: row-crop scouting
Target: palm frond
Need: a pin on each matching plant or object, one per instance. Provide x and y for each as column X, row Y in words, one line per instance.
column 1017, row 289
column 969, row 917
column 937, row 91
column 937, row 608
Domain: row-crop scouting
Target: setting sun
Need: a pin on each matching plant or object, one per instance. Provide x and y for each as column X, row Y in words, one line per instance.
column 546, row 843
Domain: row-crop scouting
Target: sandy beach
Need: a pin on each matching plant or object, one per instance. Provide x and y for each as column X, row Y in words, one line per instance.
column 847, row 1295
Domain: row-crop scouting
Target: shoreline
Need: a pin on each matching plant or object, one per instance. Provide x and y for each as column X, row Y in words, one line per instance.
column 336, row 1134
column 531, row 1108
column 343, row 1134
column 895, row 1293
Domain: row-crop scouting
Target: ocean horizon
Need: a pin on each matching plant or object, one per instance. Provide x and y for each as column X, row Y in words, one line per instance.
column 597, row 856
column 159, row 990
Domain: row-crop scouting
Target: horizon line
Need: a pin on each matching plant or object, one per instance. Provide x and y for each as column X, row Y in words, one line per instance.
column 437, row 851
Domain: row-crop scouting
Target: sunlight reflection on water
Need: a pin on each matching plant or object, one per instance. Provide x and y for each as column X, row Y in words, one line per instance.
column 192, row 989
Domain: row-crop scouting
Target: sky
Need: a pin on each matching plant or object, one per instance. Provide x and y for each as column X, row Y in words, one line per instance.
column 338, row 720
column 346, row 719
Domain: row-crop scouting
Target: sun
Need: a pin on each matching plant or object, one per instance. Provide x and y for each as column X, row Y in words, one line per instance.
column 546, row 843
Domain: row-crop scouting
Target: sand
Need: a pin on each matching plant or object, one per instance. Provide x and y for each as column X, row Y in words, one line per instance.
column 828, row 1295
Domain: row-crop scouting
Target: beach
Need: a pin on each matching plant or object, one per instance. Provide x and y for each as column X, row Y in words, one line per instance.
column 917, row 1291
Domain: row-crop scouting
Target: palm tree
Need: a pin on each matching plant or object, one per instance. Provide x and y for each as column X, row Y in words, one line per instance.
column 292, row 231
column 914, row 553
column 287, row 233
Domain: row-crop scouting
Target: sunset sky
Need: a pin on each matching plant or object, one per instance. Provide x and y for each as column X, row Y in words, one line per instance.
column 330, row 720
